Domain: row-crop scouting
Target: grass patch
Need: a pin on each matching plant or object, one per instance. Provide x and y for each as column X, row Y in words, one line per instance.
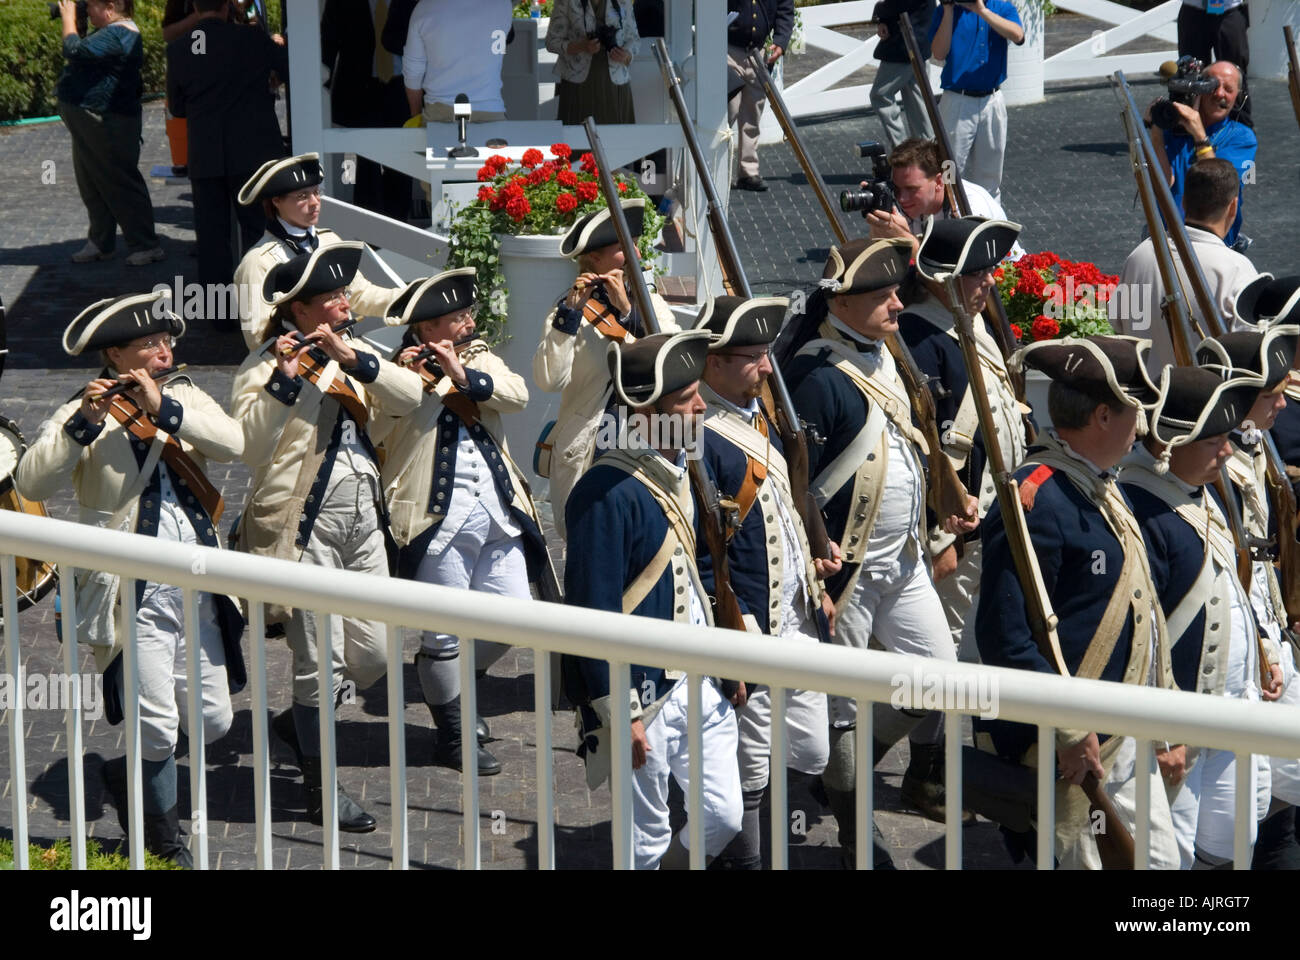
column 59, row 857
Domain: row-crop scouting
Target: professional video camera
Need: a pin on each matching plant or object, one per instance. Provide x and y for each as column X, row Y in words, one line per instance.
column 83, row 23
column 1185, row 80
column 606, row 34
column 879, row 191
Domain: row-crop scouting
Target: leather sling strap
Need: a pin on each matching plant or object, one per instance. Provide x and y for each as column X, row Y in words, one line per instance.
column 340, row 389
column 133, row 419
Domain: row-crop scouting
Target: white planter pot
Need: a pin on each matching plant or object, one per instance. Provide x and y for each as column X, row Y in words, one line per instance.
column 1036, row 384
column 535, row 276
column 1024, row 83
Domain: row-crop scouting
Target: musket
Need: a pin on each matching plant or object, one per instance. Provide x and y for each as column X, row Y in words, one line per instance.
column 717, row 517
column 1158, row 205
column 793, row 431
column 126, row 383
column 947, row 493
column 1292, row 70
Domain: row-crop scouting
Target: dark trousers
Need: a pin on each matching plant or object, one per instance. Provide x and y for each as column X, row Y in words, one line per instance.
column 106, row 162
column 1277, row 847
column 214, row 200
column 1199, row 33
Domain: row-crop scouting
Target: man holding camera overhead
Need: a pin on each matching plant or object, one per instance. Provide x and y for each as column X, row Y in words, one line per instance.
column 1183, row 134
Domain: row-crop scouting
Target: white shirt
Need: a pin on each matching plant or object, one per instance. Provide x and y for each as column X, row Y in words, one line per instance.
column 296, row 232
column 455, row 46
column 1136, row 304
column 982, row 204
column 472, row 488
column 678, row 470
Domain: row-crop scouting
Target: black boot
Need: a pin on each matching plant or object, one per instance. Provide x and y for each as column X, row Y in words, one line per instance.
column 162, row 838
column 843, row 806
column 481, row 728
column 283, row 726
column 352, row 819
column 923, row 782
column 448, row 751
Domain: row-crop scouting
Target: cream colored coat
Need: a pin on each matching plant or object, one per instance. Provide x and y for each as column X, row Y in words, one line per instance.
column 575, row 366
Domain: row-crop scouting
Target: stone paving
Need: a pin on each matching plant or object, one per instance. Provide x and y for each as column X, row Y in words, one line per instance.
column 1067, row 180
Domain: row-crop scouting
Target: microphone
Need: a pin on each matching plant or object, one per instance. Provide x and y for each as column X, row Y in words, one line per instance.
column 461, row 110
column 1167, row 70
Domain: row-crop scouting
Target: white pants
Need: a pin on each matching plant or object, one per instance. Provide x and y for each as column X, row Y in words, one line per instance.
column 481, row 556
column 977, row 129
column 1285, row 771
column 160, row 639
column 346, row 536
column 907, row 120
column 668, row 754
column 905, row 615
column 959, row 594
column 1204, row 810
column 747, row 108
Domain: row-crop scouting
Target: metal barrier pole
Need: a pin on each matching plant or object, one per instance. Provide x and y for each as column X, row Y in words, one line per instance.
column 1046, row 797
column 545, row 765
column 952, row 789
column 131, row 698
column 620, row 756
column 17, row 757
column 695, row 747
column 198, row 751
column 864, row 775
column 329, row 774
column 1243, row 811
column 778, row 789
column 397, row 748
column 72, row 720
column 261, row 743
column 1142, row 834
column 469, row 756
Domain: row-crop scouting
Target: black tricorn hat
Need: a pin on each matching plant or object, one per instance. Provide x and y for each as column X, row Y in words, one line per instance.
column 1266, row 300
column 964, row 246
column 737, row 322
column 1196, row 403
column 596, row 230
column 863, row 265
column 309, row 274
column 1269, row 353
column 1100, row 366
column 284, row 175
column 119, row 320
column 649, row 368
column 432, row 297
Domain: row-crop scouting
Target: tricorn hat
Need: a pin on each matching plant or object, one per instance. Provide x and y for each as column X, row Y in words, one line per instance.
column 1268, row 353
column 1267, row 300
column 309, row 274
column 738, row 322
column 119, row 320
column 277, row 177
column 432, row 297
column 963, row 246
column 863, row 265
column 1196, row 403
column 649, row 368
column 1101, row 366
column 596, row 230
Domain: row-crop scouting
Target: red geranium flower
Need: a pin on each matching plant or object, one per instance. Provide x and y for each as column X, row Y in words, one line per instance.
column 588, row 163
column 541, row 175
column 532, row 157
column 519, row 181
column 561, row 150
column 566, row 203
column 497, row 163
column 518, row 208
column 486, row 194
column 567, row 178
column 588, row 191
column 1019, row 334
column 485, row 173
column 622, row 187
column 1045, row 328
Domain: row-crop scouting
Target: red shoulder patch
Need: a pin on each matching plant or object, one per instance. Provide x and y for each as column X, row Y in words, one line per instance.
column 1029, row 487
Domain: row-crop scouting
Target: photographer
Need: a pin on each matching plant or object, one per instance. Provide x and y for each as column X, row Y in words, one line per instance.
column 919, row 186
column 754, row 22
column 971, row 39
column 99, row 101
column 894, row 75
column 1204, row 131
column 595, row 41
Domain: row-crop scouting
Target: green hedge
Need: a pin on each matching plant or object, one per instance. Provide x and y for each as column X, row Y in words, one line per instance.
column 31, row 54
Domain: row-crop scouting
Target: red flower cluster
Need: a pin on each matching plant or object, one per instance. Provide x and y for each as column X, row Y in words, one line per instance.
column 622, row 187
column 1030, row 282
column 566, row 203
column 486, row 194
column 1017, row 332
column 587, row 191
column 561, row 150
column 541, row 175
column 518, row 208
column 567, row 178
column 1044, row 328
column 532, row 157
column 588, row 163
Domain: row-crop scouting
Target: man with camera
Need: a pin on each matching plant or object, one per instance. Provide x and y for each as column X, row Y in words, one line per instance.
column 894, row 75
column 971, row 39
column 915, row 182
column 753, row 22
column 1184, row 133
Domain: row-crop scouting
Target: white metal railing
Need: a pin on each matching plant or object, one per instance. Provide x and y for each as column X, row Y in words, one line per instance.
column 1088, row 58
column 1045, row 701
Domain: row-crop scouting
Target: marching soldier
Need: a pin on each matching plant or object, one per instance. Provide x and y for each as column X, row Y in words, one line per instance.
column 635, row 517
column 1216, row 641
column 777, row 584
column 288, row 190
column 1089, row 549
column 1263, row 302
column 868, row 477
column 570, row 358
column 460, row 509
column 928, row 327
column 138, row 461
column 305, row 400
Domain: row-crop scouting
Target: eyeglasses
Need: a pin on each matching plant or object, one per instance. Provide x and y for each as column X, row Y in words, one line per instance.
column 154, row 344
column 343, row 296
column 303, row 196
column 747, row 357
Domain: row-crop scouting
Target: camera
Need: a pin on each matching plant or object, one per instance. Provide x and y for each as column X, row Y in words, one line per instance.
column 83, row 24
column 1187, row 82
column 606, row 34
column 879, row 191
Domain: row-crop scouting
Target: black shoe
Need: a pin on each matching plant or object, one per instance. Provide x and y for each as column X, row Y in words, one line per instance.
column 484, row 734
column 352, row 819
column 755, row 184
column 448, row 751
column 283, row 725
column 923, row 784
column 162, row 838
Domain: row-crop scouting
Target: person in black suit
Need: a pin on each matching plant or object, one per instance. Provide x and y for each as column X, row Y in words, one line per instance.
column 219, row 79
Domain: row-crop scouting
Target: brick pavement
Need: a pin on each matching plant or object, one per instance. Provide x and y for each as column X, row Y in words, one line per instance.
column 1059, row 151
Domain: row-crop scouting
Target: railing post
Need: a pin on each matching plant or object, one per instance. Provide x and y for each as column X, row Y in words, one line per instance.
column 469, row 756
column 198, row 749
column 329, row 775
column 131, row 700
column 952, row 790
column 1142, row 831
column 865, row 782
column 72, row 719
column 397, row 747
column 778, row 798
column 1046, row 797
column 545, row 766
column 620, row 757
column 695, row 748
column 17, row 757
column 261, row 745
column 1243, row 810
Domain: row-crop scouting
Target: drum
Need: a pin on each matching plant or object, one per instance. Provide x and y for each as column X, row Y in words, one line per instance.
column 35, row 577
